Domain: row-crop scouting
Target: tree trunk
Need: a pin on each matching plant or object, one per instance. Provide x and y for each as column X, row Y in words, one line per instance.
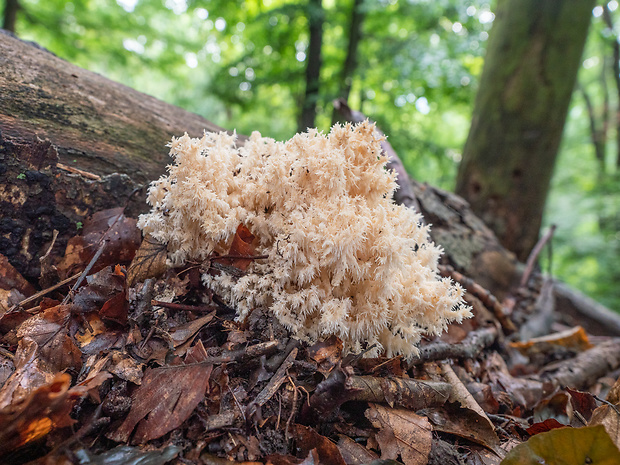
column 71, row 143
column 350, row 62
column 533, row 56
column 313, row 69
column 10, row 15
column 615, row 46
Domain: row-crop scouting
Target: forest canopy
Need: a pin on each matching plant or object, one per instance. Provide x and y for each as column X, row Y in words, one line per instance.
column 413, row 66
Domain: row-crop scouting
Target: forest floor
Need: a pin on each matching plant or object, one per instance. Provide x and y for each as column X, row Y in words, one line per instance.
column 118, row 360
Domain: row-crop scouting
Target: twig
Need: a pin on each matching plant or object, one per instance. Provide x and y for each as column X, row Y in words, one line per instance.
column 275, row 382
column 49, row 249
column 7, row 353
column 237, row 256
column 293, row 409
column 183, row 307
column 531, row 260
column 469, row 347
column 83, row 173
column 44, row 292
column 229, row 356
column 584, row 369
column 606, row 402
column 481, row 293
column 407, row 393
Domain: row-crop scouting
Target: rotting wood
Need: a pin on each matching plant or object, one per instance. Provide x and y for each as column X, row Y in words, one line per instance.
column 406, row 393
column 72, row 143
column 469, row 347
column 585, row 368
column 104, row 128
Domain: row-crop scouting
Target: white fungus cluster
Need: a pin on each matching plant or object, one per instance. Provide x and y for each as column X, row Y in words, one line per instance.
column 343, row 258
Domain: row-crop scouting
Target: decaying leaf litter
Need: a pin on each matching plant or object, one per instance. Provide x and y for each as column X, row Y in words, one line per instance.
column 128, row 360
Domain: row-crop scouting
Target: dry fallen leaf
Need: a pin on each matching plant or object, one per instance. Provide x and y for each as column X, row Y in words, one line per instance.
column 354, row 453
column 464, row 422
column 574, row 339
column 149, row 261
column 309, row 440
column 121, row 242
column 164, row 400
column 49, row 329
column 401, row 432
column 30, row 373
column 241, row 246
column 45, row 409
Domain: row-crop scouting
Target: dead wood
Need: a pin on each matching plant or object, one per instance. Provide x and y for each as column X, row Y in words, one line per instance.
column 71, row 143
column 412, row 394
column 275, row 382
column 583, row 370
column 469, row 347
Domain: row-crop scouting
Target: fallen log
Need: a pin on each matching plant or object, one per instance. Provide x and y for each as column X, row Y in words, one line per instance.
column 71, row 143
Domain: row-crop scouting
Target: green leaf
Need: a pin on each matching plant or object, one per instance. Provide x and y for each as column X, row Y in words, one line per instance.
column 566, row 446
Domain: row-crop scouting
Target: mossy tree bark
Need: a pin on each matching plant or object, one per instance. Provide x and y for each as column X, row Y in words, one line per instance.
column 72, row 143
column 533, row 56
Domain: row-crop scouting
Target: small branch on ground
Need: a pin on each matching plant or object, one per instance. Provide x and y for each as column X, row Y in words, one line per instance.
column 481, row 293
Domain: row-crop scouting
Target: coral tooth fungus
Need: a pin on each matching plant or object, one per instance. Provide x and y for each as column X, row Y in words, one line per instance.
column 343, row 258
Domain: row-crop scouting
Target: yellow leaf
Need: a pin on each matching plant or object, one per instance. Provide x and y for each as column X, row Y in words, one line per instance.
column 566, row 446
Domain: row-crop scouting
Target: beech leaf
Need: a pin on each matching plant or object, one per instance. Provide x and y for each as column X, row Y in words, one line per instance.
column 149, row 261
column 401, row 432
column 164, row 400
column 566, row 446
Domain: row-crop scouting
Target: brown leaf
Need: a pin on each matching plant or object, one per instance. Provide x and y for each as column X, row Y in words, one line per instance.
column 464, row 422
column 30, row 373
column 180, row 334
column 544, row 426
column 46, row 408
column 99, row 289
column 401, row 432
column 149, row 261
column 557, row 406
column 614, row 393
column 574, row 339
column 582, row 402
column 10, row 278
column 326, row 353
column 242, row 246
column 164, row 400
column 49, row 329
column 354, row 453
column 308, row 440
column 122, row 239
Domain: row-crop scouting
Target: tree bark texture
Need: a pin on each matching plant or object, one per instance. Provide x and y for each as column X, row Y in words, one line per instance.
column 615, row 67
column 71, row 143
column 10, row 15
column 533, row 56
column 316, row 17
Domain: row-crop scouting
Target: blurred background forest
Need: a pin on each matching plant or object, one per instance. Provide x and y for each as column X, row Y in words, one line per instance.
column 413, row 66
